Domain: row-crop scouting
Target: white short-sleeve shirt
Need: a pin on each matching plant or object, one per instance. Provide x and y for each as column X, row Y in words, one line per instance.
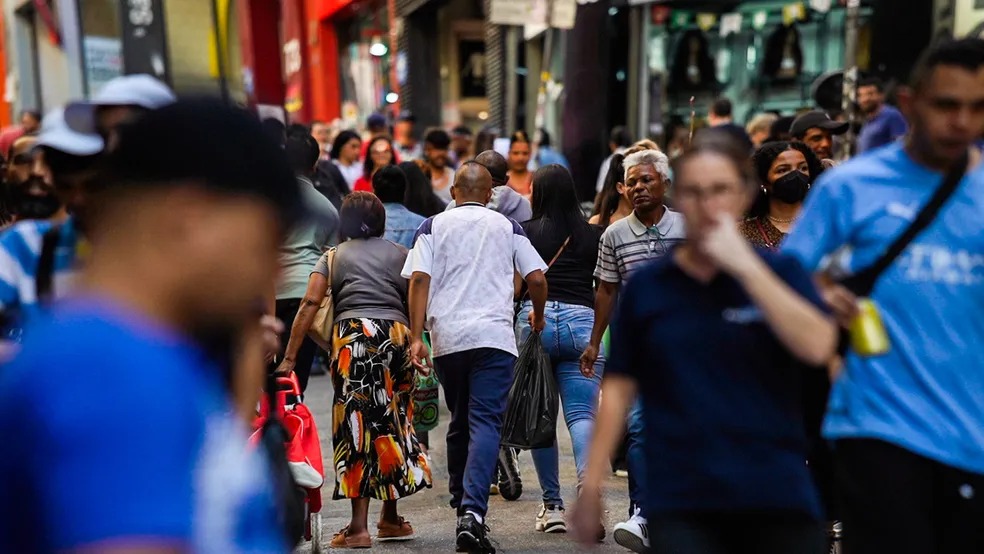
column 471, row 253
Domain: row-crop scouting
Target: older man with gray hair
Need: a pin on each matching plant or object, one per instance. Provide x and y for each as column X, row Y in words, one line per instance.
column 650, row 231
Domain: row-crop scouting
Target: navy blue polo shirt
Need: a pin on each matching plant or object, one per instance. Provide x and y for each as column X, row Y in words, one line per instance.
column 722, row 397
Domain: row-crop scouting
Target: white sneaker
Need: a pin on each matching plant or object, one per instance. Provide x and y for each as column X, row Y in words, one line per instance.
column 551, row 520
column 633, row 534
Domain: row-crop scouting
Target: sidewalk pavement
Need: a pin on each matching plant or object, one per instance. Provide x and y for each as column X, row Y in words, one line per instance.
column 433, row 520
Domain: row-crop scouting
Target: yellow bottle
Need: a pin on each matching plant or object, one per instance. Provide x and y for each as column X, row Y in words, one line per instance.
column 868, row 335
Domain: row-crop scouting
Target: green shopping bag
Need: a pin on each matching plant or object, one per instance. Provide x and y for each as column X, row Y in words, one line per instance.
column 606, row 343
column 426, row 409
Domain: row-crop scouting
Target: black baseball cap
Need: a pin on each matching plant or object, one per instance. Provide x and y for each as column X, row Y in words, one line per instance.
column 223, row 148
column 817, row 118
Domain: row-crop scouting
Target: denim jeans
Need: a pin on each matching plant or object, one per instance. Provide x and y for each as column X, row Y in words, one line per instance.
column 635, row 458
column 567, row 333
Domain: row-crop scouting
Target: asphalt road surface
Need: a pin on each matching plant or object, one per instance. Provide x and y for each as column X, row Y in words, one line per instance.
column 432, row 518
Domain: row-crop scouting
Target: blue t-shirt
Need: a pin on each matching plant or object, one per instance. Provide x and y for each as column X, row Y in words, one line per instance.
column 927, row 393
column 116, row 429
column 884, row 128
column 722, row 397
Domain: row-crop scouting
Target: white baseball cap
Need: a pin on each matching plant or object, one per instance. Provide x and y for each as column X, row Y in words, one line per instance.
column 56, row 134
column 141, row 91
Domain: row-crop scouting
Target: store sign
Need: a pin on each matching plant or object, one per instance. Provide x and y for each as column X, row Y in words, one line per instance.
column 534, row 12
column 103, row 61
column 144, row 42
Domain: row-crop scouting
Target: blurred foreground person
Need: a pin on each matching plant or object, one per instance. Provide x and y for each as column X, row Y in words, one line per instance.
column 137, row 447
column 461, row 273
column 120, row 101
column 907, row 419
column 709, row 337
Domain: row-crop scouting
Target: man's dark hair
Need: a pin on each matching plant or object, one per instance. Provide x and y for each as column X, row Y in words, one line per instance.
column 362, row 216
column 275, row 129
column 544, row 138
column 390, row 184
column 966, row 53
column 496, row 164
column 721, row 107
column 297, row 129
column 317, row 122
column 870, row 82
column 237, row 156
column 341, row 140
column 621, row 137
column 438, row 138
column 35, row 115
column 463, row 130
column 302, row 153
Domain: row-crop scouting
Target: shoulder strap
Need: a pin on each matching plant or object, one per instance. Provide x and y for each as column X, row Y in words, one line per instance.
column 863, row 282
column 46, row 264
column 559, row 252
column 765, row 235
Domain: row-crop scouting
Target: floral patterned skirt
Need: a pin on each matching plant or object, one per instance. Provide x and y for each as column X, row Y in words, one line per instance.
column 376, row 451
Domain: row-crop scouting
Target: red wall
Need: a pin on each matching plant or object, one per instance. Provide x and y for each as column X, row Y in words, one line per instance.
column 324, row 95
column 259, row 22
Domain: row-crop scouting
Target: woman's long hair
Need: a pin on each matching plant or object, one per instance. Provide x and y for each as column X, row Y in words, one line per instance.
column 609, row 197
column 763, row 159
column 420, row 198
column 369, row 166
column 341, row 140
column 557, row 211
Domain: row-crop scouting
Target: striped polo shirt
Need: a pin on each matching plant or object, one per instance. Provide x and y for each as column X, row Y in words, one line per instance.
column 627, row 244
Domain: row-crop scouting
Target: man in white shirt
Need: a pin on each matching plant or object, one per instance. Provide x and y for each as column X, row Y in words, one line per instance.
column 461, row 271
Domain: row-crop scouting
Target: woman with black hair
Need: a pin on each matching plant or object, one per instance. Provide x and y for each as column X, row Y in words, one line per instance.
column 612, row 204
column 560, row 234
column 380, row 153
column 345, row 155
column 420, row 198
column 376, row 453
column 520, row 177
column 786, row 170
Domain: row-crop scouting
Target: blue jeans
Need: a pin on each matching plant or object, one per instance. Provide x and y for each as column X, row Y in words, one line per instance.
column 567, row 333
column 635, row 457
column 476, row 387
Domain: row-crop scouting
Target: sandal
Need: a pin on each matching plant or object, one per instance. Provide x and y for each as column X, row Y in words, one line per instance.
column 343, row 540
column 395, row 532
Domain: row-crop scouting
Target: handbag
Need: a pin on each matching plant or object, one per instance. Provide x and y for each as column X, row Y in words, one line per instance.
column 324, row 318
column 862, row 282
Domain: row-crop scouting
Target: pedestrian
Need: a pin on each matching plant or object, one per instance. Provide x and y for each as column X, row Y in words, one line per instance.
column 884, row 124
column 345, row 155
column 381, row 154
column 420, row 198
column 505, row 200
column 612, row 203
column 405, row 138
column 912, row 414
column 709, row 338
column 721, row 118
column 559, row 233
column 520, row 176
column 436, row 144
column 376, row 451
column 461, row 273
column 321, row 132
column 121, row 100
column 390, row 186
column 780, row 129
column 786, row 170
column 29, row 191
column 302, row 249
column 137, row 447
column 545, row 154
column 649, row 232
column 65, row 161
column 619, row 140
column 759, row 127
column 817, row 130
column 462, row 145
column 30, row 124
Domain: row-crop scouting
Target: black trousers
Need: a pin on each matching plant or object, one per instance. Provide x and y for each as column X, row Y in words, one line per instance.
column 286, row 311
column 735, row 533
column 894, row 501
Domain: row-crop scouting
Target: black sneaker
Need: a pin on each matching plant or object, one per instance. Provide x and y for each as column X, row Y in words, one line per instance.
column 472, row 536
column 510, row 481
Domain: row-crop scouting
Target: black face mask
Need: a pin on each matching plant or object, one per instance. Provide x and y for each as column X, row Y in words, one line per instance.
column 791, row 188
column 32, row 206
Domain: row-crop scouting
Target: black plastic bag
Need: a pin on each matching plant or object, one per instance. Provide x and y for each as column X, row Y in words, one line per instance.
column 531, row 417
